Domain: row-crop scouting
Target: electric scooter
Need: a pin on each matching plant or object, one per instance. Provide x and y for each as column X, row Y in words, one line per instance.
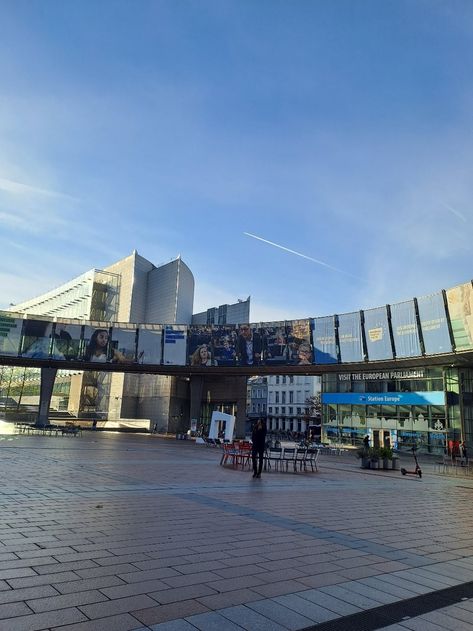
column 417, row 470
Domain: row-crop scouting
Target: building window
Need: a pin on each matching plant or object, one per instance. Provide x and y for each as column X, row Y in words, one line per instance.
column 277, row 397
column 284, row 379
column 276, row 410
column 283, row 395
column 291, row 396
column 283, row 410
column 277, row 379
column 264, row 407
column 291, row 410
column 270, row 409
column 299, row 411
column 291, row 379
column 253, row 408
column 258, row 407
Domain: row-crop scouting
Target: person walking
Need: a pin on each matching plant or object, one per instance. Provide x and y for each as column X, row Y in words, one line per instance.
column 258, row 439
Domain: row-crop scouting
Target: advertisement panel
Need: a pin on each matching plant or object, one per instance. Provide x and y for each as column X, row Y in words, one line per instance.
column 149, row 344
column 377, row 336
column 123, row 345
column 200, row 345
column 96, row 347
column 174, row 346
column 249, row 345
column 37, row 339
column 433, row 322
column 435, row 397
column 323, row 335
column 460, row 308
column 66, row 340
column 10, row 334
column 404, row 327
column 298, row 338
column 224, row 339
column 276, row 347
column 349, row 337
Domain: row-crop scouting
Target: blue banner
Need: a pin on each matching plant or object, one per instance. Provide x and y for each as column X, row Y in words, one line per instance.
column 323, row 336
column 378, row 340
column 404, row 327
column 436, row 397
column 349, row 337
column 433, row 321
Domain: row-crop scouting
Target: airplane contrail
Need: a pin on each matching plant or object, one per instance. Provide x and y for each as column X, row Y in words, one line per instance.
column 304, row 256
column 457, row 213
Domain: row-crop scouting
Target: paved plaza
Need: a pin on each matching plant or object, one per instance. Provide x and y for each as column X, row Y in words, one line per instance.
column 113, row 532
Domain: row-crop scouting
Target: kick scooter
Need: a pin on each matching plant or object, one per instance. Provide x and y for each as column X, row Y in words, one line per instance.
column 417, row 470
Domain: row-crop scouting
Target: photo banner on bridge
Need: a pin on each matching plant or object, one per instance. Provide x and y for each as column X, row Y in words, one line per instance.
column 298, row 338
column 66, row 341
column 433, row 322
column 224, row 339
column 377, row 336
column 460, row 308
column 324, row 340
column 275, row 344
column 123, row 345
column 10, row 334
column 404, row 327
column 175, row 344
column 149, row 349
column 200, row 345
column 350, row 337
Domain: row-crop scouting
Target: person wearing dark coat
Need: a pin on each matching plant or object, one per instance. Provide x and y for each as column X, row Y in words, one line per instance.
column 258, row 439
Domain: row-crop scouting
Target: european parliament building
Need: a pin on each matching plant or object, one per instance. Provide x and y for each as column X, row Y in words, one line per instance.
column 130, row 290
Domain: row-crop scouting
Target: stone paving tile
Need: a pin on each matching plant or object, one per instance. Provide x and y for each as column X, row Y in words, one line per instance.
column 314, row 612
column 164, row 613
column 182, row 593
column 11, row 610
column 228, row 599
column 287, row 618
column 116, row 606
column 212, row 622
column 251, row 620
column 86, row 584
column 338, row 606
column 50, row 603
column 122, row 622
column 173, row 625
column 37, row 622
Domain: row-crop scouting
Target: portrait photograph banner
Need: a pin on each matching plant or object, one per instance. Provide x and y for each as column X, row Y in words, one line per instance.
column 224, row 340
column 200, row 345
column 10, row 334
column 324, row 341
column 149, row 344
column 460, row 308
column 349, row 337
column 377, row 336
column 66, row 341
column 249, row 345
column 175, row 345
column 276, row 347
column 433, row 322
column 298, row 338
column 96, row 346
column 404, row 327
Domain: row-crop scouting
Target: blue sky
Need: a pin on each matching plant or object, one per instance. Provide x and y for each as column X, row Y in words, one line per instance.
column 340, row 130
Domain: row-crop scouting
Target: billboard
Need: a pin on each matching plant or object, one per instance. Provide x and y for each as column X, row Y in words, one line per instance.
column 433, row 322
column 349, row 337
column 249, row 345
column 200, row 345
column 276, row 347
column 404, row 328
column 460, row 308
column 174, row 345
column 298, row 338
column 37, row 337
column 377, row 336
column 123, row 345
column 10, row 334
column 224, row 339
column 149, row 344
column 323, row 336
column 66, row 340
column 96, row 347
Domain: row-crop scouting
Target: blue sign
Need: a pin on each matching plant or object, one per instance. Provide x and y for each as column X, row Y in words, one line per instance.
column 323, row 337
column 433, row 320
column 436, row 397
column 349, row 337
column 377, row 336
column 405, row 333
